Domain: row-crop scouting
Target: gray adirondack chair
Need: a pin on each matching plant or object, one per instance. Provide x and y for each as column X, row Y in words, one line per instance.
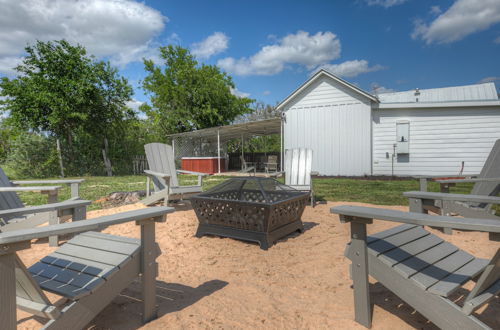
column 272, row 164
column 14, row 215
column 163, row 173
column 487, row 183
column 298, row 173
column 419, row 267
column 88, row 272
column 247, row 167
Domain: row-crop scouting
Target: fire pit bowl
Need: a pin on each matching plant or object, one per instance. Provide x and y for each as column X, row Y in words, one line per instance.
column 255, row 209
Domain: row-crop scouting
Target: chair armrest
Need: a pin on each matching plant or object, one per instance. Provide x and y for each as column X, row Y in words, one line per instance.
column 469, row 180
column 69, row 204
column 452, row 197
column 191, row 172
column 153, row 213
column 156, row 174
column 64, row 181
column 38, row 188
column 350, row 213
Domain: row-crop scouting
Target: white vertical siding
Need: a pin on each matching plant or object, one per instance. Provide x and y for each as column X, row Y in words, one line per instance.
column 340, row 136
column 440, row 139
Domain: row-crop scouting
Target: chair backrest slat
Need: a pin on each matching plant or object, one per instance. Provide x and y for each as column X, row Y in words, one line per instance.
column 8, row 200
column 298, row 165
column 160, row 158
column 272, row 159
column 491, row 169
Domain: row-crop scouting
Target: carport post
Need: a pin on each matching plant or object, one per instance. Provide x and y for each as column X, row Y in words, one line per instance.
column 173, row 146
column 218, row 150
column 281, row 147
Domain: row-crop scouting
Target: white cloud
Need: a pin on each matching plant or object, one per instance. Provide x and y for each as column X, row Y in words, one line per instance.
column 239, row 93
column 300, row 48
column 377, row 89
column 121, row 30
column 488, row 79
column 174, row 38
column 266, row 93
column 134, row 104
column 212, row 45
column 435, row 10
column 463, row 18
column 350, row 68
column 8, row 63
column 385, row 3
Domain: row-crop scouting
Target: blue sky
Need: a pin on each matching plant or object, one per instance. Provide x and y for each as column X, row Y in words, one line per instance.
column 271, row 47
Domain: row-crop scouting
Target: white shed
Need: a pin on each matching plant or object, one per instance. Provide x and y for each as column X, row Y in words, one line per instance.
column 438, row 131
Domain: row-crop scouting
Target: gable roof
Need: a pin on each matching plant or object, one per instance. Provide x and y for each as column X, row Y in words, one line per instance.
column 317, row 76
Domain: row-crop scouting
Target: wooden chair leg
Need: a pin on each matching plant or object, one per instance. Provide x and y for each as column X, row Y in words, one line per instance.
column 362, row 304
column 148, row 279
column 8, row 317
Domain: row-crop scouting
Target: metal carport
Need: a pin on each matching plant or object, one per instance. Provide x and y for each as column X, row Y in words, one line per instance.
column 222, row 134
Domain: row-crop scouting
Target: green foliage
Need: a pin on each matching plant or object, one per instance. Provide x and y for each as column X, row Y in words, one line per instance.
column 66, row 94
column 260, row 111
column 32, row 156
column 7, row 136
column 60, row 89
column 186, row 96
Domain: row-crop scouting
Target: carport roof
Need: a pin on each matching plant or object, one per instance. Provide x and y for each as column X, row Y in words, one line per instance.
column 235, row 131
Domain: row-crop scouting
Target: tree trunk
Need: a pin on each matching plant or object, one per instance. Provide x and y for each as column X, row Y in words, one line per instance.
column 107, row 162
column 59, row 155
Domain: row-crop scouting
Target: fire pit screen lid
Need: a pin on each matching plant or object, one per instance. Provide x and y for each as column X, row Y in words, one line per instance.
column 252, row 189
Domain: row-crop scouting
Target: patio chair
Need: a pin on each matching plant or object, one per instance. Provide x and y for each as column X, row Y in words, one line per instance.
column 87, row 272
column 475, row 205
column 163, row 173
column 14, row 215
column 298, row 174
column 419, row 267
column 247, row 167
column 272, row 164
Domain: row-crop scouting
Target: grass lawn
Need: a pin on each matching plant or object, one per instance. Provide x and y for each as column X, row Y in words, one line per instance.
column 383, row 192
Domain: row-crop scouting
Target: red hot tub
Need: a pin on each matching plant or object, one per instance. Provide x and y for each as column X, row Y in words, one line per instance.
column 203, row 164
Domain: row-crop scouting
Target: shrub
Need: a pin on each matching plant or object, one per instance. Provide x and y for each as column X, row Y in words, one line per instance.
column 32, row 156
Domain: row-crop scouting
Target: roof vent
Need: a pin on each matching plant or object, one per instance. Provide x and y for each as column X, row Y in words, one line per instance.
column 417, row 94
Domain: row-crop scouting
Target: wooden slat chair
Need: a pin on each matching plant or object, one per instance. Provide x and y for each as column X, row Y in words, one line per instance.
column 487, row 183
column 163, row 173
column 419, row 267
column 298, row 170
column 247, row 167
column 272, row 164
column 14, row 215
column 87, row 272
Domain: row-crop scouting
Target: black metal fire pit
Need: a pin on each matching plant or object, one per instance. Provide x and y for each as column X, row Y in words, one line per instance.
column 262, row 210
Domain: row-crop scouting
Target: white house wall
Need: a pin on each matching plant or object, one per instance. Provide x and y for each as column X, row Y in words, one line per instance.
column 338, row 134
column 323, row 92
column 440, row 139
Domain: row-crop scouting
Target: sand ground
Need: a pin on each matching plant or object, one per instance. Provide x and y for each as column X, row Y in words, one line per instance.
column 221, row 283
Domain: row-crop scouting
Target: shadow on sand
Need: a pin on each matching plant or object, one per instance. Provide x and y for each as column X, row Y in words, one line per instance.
column 127, row 307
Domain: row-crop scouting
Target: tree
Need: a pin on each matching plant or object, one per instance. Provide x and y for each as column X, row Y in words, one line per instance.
column 61, row 90
column 187, row 96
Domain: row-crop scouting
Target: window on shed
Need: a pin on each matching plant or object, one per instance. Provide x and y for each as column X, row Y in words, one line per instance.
column 403, row 136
